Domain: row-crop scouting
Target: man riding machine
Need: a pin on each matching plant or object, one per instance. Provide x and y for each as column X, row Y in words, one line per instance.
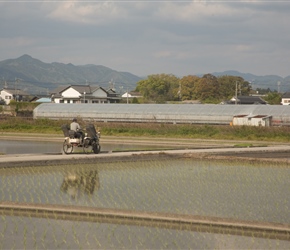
column 75, row 137
column 76, row 130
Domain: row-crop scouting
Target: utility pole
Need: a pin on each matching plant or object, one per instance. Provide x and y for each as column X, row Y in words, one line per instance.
column 127, row 95
column 236, row 99
column 179, row 92
column 17, row 80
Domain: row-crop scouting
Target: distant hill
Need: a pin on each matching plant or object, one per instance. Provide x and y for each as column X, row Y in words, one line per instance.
column 37, row 77
column 272, row 82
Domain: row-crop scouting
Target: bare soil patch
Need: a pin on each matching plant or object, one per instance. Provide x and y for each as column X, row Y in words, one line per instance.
column 265, row 155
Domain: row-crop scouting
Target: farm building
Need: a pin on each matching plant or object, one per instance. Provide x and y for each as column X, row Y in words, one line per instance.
column 162, row 113
column 252, row 120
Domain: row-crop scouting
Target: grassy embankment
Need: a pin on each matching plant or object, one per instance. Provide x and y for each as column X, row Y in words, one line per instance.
column 45, row 126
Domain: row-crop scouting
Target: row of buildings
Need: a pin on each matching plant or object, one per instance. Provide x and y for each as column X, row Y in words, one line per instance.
column 97, row 94
column 68, row 94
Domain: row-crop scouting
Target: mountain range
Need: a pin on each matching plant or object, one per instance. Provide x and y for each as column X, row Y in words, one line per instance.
column 36, row 77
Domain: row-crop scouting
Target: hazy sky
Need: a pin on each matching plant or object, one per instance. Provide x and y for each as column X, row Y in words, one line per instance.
column 151, row 37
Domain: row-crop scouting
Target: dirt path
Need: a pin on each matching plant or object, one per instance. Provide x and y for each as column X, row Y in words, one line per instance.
column 282, row 153
column 139, row 140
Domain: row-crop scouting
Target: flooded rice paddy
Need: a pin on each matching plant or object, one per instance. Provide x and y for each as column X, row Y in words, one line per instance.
column 233, row 190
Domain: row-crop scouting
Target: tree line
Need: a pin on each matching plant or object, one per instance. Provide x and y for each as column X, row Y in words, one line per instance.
column 162, row 88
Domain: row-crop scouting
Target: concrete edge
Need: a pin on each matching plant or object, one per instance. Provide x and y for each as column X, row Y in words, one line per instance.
column 185, row 222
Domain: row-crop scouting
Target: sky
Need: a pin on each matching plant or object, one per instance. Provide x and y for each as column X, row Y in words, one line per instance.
column 151, row 37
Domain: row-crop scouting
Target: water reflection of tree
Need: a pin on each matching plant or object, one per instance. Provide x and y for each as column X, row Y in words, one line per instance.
column 77, row 183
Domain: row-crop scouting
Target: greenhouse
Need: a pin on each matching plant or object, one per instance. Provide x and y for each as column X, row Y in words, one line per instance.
column 163, row 113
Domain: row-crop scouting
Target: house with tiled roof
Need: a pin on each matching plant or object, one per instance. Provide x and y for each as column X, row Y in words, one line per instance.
column 286, row 98
column 83, row 94
column 8, row 94
column 247, row 100
column 113, row 96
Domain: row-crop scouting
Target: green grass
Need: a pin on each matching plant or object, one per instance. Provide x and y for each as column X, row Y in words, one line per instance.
column 226, row 132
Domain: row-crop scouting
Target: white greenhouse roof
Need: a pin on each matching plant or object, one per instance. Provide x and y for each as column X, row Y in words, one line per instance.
column 176, row 113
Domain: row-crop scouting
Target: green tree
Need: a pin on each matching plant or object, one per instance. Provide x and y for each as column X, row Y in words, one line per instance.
column 159, row 88
column 263, row 91
column 230, row 84
column 135, row 100
column 186, row 89
column 273, row 98
column 207, row 88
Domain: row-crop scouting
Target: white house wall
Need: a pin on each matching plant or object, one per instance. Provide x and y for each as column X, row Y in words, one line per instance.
column 7, row 97
column 286, row 101
column 70, row 93
column 126, row 95
column 68, row 96
column 56, row 100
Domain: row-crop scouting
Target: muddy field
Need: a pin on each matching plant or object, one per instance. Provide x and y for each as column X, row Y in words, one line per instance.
column 260, row 155
column 279, row 157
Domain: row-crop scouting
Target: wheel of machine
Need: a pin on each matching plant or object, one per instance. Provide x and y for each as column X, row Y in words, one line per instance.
column 96, row 148
column 67, row 148
column 88, row 148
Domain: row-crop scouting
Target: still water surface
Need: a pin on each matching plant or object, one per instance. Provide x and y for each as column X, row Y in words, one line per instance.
column 255, row 193
column 237, row 190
